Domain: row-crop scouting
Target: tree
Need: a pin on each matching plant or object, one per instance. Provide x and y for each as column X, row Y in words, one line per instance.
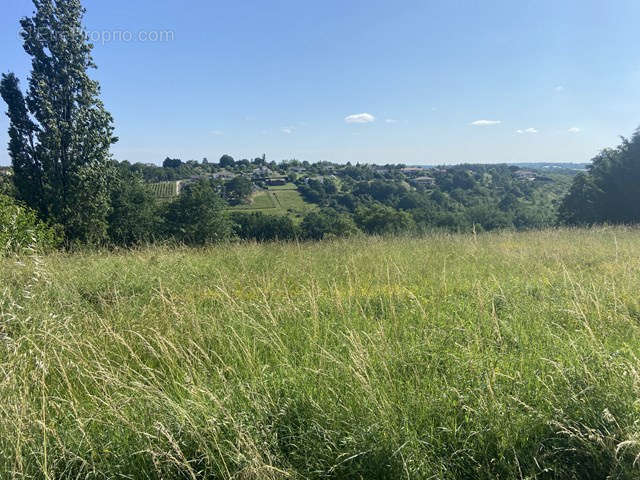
column 581, row 205
column 238, row 189
column 133, row 216
column 172, row 163
column 381, row 220
column 320, row 224
column 197, row 217
column 608, row 191
column 60, row 133
column 227, row 161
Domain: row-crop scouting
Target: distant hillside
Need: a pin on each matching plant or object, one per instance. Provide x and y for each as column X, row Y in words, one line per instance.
column 530, row 165
column 552, row 166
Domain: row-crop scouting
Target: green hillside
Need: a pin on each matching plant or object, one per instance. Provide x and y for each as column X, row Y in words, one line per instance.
column 493, row 356
column 277, row 200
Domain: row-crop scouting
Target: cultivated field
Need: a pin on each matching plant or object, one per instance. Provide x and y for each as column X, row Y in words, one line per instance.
column 164, row 190
column 455, row 357
column 277, row 200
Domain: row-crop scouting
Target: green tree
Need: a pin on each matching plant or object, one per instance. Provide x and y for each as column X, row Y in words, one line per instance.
column 171, row 163
column 383, row 220
column 609, row 191
column 60, row 132
column 133, row 217
column 197, row 217
column 227, row 161
column 582, row 204
column 320, row 224
column 238, row 189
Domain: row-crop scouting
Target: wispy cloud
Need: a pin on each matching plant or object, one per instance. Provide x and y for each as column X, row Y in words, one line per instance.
column 287, row 130
column 527, row 130
column 559, row 88
column 217, row 132
column 391, row 120
column 360, row 118
column 574, row 130
column 486, row 123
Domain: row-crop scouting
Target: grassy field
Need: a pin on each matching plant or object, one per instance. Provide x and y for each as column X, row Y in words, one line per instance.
column 277, row 200
column 510, row 356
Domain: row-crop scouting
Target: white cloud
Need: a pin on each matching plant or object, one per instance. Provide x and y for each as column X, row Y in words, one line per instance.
column 574, row 130
column 360, row 118
column 485, row 123
column 559, row 88
column 287, row 130
column 217, row 132
column 391, row 120
column 527, row 130
column 519, row 131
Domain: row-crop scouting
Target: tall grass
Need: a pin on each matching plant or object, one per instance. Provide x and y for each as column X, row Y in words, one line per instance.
column 491, row 356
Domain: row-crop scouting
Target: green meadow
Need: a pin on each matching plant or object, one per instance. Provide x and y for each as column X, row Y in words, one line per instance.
column 503, row 355
column 277, row 200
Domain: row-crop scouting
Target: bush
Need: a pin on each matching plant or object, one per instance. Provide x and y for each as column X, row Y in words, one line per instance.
column 261, row 227
column 318, row 225
column 20, row 229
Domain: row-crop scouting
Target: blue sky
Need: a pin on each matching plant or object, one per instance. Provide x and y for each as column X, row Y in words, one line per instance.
column 562, row 78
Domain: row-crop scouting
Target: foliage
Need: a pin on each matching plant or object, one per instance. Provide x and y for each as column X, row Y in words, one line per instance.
column 608, row 192
column 382, row 220
column 197, row 217
column 261, row 227
column 320, row 224
column 133, row 218
column 238, row 189
column 60, row 133
column 461, row 198
column 21, row 231
column 226, row 161
column 171, row 163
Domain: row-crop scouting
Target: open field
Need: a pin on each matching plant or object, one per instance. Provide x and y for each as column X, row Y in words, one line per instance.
column 278, row 200
column 457, row 357
column 291, row 200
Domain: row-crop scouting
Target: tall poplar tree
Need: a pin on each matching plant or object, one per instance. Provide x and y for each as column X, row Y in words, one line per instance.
column 60, row 132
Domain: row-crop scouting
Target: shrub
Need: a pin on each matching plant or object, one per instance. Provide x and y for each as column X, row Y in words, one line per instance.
column 20, row 229
column 261, row 227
